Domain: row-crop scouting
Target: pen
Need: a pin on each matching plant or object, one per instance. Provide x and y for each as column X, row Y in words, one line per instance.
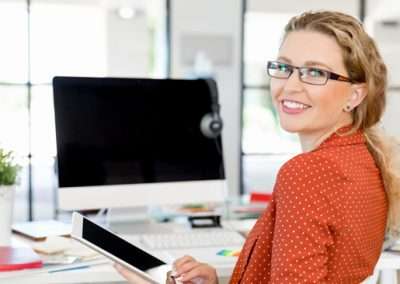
column 70, row 268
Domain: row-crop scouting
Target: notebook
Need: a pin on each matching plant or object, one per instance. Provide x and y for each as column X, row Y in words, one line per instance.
column 17, row 258
column 39, row 230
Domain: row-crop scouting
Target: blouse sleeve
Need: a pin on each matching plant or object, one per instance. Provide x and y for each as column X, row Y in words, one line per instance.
column 304, row 220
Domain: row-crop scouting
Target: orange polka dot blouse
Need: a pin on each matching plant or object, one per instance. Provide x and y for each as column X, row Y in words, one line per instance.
column 325, row 223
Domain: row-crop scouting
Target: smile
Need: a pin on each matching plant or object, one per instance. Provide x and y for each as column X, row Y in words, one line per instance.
column 293, row 107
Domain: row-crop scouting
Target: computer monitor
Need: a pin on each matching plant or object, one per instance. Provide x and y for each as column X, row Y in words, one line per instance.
column 125, row 142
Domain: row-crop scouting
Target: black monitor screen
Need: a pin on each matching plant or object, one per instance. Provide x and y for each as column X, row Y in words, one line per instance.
column 121, row 131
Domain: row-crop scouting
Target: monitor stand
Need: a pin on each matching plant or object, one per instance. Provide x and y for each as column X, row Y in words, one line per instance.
column 137, row 214
column 135, row 220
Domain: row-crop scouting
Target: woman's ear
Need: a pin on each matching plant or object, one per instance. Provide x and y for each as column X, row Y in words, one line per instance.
column 358, row 93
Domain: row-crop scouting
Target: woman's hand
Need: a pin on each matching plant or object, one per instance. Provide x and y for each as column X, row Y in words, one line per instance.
column 187, row 270
column 131, row 276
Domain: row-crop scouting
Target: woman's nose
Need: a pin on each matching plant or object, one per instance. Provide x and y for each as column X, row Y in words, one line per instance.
column 293, row 83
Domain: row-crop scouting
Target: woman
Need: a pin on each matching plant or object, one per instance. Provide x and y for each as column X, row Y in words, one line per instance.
column 332, row 204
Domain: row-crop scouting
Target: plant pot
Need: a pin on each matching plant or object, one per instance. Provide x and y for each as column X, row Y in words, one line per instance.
column 6, row 213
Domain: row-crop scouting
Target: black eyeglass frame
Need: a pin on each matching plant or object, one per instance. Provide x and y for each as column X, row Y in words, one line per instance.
column 330, row 75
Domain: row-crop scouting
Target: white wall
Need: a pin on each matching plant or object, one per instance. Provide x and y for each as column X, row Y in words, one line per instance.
column 383, row 8
column 391, row 117
column 387, row 38
column 290, row 6
column 128, row 45
column 214, row 19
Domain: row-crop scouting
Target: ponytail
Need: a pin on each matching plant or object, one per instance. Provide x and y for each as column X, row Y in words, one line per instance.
column 386, row 153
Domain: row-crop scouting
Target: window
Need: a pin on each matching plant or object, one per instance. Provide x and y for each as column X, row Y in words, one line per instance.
column 265, row 145
column 13, row 48
column 261, row 131
column 66, row 38
column 14, row 113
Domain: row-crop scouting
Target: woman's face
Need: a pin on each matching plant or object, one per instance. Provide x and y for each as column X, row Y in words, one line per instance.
column 311, row 109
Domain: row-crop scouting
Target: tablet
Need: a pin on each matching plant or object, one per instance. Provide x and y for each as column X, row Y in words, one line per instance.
column 114, row 247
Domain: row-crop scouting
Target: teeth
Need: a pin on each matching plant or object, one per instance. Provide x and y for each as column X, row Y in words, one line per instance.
column 294, row 105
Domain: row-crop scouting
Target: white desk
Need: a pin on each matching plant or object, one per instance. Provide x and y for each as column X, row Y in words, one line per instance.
column 387, row 267
column 98, row 273
column 104, row 273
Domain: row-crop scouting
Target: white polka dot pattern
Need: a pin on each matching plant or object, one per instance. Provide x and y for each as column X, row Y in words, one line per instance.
column 326, row 220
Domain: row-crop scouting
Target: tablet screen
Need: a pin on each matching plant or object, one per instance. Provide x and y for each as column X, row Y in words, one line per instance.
column 118, row 246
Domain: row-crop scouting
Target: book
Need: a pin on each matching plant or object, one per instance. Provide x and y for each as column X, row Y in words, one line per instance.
column 18, row 258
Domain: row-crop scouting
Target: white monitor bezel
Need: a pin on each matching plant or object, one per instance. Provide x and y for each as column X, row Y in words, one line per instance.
column 142, row 194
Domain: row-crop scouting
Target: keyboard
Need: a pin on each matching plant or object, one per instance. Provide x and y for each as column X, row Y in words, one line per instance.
column 193, row 239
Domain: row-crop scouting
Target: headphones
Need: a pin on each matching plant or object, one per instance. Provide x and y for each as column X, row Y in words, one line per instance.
column 211, row 124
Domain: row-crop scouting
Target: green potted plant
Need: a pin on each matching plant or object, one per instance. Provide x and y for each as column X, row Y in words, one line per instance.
column 8, row 178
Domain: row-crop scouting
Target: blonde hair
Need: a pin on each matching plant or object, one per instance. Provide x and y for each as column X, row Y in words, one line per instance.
column 364, row 65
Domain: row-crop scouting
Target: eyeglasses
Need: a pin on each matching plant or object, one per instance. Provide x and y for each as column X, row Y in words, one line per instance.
column 309, row 75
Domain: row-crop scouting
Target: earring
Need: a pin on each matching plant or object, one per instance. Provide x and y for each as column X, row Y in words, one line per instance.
column 347, row 108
